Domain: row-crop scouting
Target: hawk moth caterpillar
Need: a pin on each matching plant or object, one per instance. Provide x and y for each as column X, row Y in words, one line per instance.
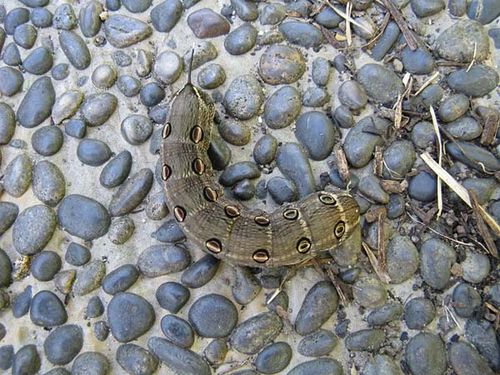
column 224, row 227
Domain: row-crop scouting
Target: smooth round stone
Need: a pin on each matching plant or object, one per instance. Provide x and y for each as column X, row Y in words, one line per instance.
column 168, row 67
column 215, row 352
column 245, row 10
column 122, row 31
column 213, row 315
column 98, row 108
column 386, row 41
column 381, row 364
column 273, row 358
column 5, row 265
column 14, row 18
column 418, row 313
column 316, row 133
column 244, row 190
column 47, row 141
column 75, row 49
column 136, row 360
column 165, row 15
column 26, row 361
column 241, row 40
column 116, row 170
column 89, row 18
column 104, row 76
column 11, row 81
column 317, row 344
column 121, row 58
column 369, row 292
column 151, row 94
column 385, row 314
column 319, row 304
column 453, row 107
column 121, row 229
column 204, row 52
column 90, row 363
column 156, row 208
column 281, row 64
column 422, row 134
column 93, row 152
column 320, row 366
column 474, row 156
column 63, row 281
column 219, row 154
column 272, row 14
column 244, row 97
column 83, row 217
column 282, row 107
column 402, row 259
column 47, row 310
column 256, row 332
column 234, row 132
column 381, row 84
column 7, row 123
column 136, row 129
column 172, row 296
column 129, row 316
column 465, row 128
column 425, row 354
column 20, row 303
column 431, row 95
column 158, row 260
column 422, row 187
column 95, row 308
column 419, row 61
column 77, row 255
column 265, row 149
column 466, row 300
column 239, row 171
column 120, row 279
column 89, row 277
column 25, row 36
column 465, row 360
column 302, row 33
column 169, row 232
column 352, row 95
column 45, row 265
column 11, row 55
column 205, row 23
column 458, row 42
column 6, row 357
column 245, row 287
column 137, row 6
column 365, row 340
column 200, row 272
column 315, row 97
column 63, row 344
column 482, row 187
column 37, row 103
column 128, row 85
column 457, row 8
column 436, row 259
column 131, row 193
column 476, row 82
column 485, row 11
column 370, row 187
column 399, row 158
column 320, row 71
column 75, row 128
column 64, row 17
column 101, row 330
column 66, row 105
column 293, row 164
column 426, row 8
column 33, row 229
column 211, row 76
column 60, row 71
column 177, row 331
column 481, row 334
column 475, row 267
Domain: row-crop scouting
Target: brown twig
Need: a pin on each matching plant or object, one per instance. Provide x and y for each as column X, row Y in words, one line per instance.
column 491, row 120
column 375, row 263
column 481, row 226
column 342, row 164
column 378, row 165
column 381, row 241
column 410, row 38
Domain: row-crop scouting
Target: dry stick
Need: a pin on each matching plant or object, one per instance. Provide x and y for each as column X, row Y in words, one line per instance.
column 380, row 241
column 481, row 226
column 427, row 83
column 345, row 17
column 342, row 164
column 440, row 160
column 385, row 22
column 348, row 32
column 473, row 58
column 410, row 38
column 375, row 263
column 491, row 121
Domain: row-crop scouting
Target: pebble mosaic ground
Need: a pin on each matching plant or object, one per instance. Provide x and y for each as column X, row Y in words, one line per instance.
column 97, row 278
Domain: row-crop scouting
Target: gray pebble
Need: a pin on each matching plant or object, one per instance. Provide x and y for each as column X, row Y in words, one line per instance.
column 464, row 128
column 20, row 303
column 343, row 117
column 476, row 82
column 481, row 334
column 89, row 277
column 402, row 259
column 169, row 232
column 5, row 263
column 457, row 8
column 315, row 97
column 6, row 357
column 293, row 164
column 121, row 229
column 213, row 315
column 216, row 351
column 204, row 52
column 241, row 40
column 136, row 129
column 63, row 344
column 14, row 18
column 381, row 364
column 245, row 10
column 172, row 296
column 465, row 360
column 317, row 344
column 151, row 94
column 205, row 23
column 101, row 330
column 25, row 35
column 273, row 358
column 256, row 332
column 26, row 361
column 136, row 360
column 238, row 172
column 386, row 41
column 90, row 363
column 426, row 8
column 77, row 255
column 211, row 76
column 58, row 371
column 466, row 300
column 63, row 281
column 75, row 49
column 104, row 76
column 418, row 313
column 365, row 340
column 98, row 108
column 381, row 84
column 177, row 331
column 320, row 71
column 37, row 103
column 39, row 61
column 122, row 31
column 47, row 140
column 316, row 133
column 47, row 310
column 234, row 132
column 144, row 63
column 385, row 314
column 45, row 265
column 158, row 260
column 431, row 95
column 245, row 286
column 128, row 85
column 167, row 67
column 422, row 187
column 474, row 156
column 93, row 152
column 370, row 187
column 265, row 149
column 33, row 229
column 320, row 366
column 281, row 64
column 11, row 55
column 369, row 292
column 200, row 272
column 120, row 279
column 244, row 190
column 11, row 81
column 219, row 154
column 244, row 97
column 272, row 14
column 94, row 308
column 399, row 158
column 282, row 107
column 131, row 193
column 475, row 267
column 66, row 106
column 302, row 33
column 436, row 259
column 419, row 61
column 425, row 354
column 89, row 18
column 484, row 11
column 137, row 6
column 116, row 170
column 352, row 95
column 453, row 107
column 64, row 17
column 165, row 15
column 18, row 175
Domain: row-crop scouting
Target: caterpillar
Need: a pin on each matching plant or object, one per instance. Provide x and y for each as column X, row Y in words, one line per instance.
column 222, row 226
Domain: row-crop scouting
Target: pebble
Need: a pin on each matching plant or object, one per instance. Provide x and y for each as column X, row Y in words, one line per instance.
column 116, row 170
column 172, row 296
column 177, row 331
column 402, row 259
column 453, row 107
column 241, row 40
column 169, row 232
column 101, row 330
column 104, row 76
column 272, row 14
column 419, row 61
column 386, row 41
column 177, row 359
column 301, row 33
column 18, row 175
column 131, row 193
column 120, row 230
column 317, row 344
column 466, row 300
column 5, row 265
column 83, row 217
column 20, row 304
column 370, row 187
column 476, row 82
column 89, row 18
column 122, row 31
column 245, row 286
column 418, row 313
column 216, row 351
column 45, row 265
column 47, row 140
column 234, row 132
column 66, row 106
column 316, row 133
column 165, row 15
column 320, row 71
column 436, row 259
column 343, row 117
column 158, row 260
column 369, row 292
column 151, row 94
column 320, row 366
column 37, row 103
column 39, row 61
column 168, row 67
column 315, row 97
column 47, row 310
column 360, row 142
column 282, row 107
column 474, row 156
column 136, row 129
column 465, row 360
column 219, row 154
column 89, row 277
column 213, row 315
column 63, row 344
column 136, row 360
column 11, row 82
column 200, row 272
column 399, row 158
column 120, row 279
column 273, row 358
column 245, row 10
column 64, row 17
column 457, row 8
column 464, row 128
column 293, row 164
column 90, row 363
column 458, row 42
column 14, row 18
column 156, row 208
column 265, row 149
column 121, row 58
column 204, row 52
column 77, row 255
column 381, row 364
column 426, row 8
column 95, row 308
column 239, row 171
column 60, row 71
column 422, row 187
column 475, row 267
column 425, row 354
column 26, row 361
column 6, row 357
column 365, row 340
column 431, row 95
column 281, row 64
column 7, row 122
column 352, row 95
column 205, row 23
column 211, row 76
column 128, row 85
column 98, row 108
column 135, row 6
column 256, row 332
column 481, row 334
column 381, row 84
column 244, row 97
column 75, row 49
column 129, row 316
column 93, row 152
column 319, row 304
column 485, row 11
column 384, row 314
column 33, row 229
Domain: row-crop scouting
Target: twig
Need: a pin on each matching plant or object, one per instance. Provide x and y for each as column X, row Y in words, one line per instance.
column 378, row 165
column 338, row 288
column 346, row 17
column 427, row 83
column 348, row 31
column 440, row 160
column 381, row 241
column 491, row 120
column 385, row 22
column 375, row 263
column 410, row 38
column 331, row 38
column 481, row 226
column 342, row 164
column 473, row 58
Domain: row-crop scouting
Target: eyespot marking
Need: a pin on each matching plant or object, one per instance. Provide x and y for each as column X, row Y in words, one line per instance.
column 179, row 213
column 210, row 194
column 196, row 134
column 291, row 214
column 167, row 129
column 198, row 166
column 262, row 220
column 232, row 211
column 261, row 256
column 303, row 245
column 214, row 245
column 166, row 172
column 327, row 199
column 339, row 229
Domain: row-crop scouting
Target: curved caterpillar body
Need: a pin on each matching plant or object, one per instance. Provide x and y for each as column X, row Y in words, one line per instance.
column 222, row 226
